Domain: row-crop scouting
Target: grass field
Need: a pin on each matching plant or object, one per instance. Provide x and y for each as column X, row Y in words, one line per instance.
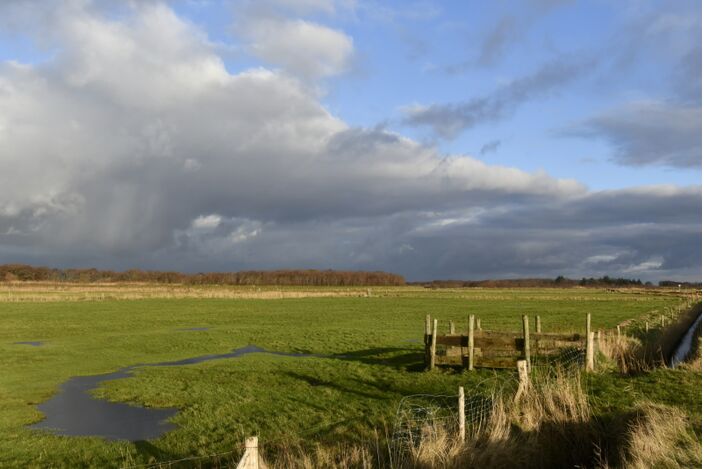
column 372, row 347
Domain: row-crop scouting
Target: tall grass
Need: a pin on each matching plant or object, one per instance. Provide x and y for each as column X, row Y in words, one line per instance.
column 550, row 425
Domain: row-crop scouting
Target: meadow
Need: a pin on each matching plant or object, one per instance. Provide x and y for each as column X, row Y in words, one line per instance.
column 366, row 347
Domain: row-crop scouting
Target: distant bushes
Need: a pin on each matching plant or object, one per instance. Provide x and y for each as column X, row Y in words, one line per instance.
column 560, row 281
column 21, row 272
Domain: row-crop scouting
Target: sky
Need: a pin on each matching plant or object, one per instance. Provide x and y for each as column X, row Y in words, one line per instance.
column 437, row 140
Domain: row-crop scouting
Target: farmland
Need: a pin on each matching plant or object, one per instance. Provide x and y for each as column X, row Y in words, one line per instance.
column 363, row 350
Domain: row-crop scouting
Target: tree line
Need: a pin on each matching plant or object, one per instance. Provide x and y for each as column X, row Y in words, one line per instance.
column 559, row 281
column 22, row 272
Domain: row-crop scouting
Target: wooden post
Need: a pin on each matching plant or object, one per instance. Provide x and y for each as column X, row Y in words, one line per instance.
column 470, row 342
column 590, row 352
column 251, row 458
column 618, row 331
column 479, row 324
column 598, row 337
column 537, row 325
column 662, row 320
column 589, row 359
column 522, row 367
column 526, row 341
column 433, row 341
column 427, row 338
column 452, row 327
column 460, row 409
column 647, row 326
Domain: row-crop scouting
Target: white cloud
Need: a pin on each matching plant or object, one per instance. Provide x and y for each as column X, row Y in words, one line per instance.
column 206, row 222
column 302, row 47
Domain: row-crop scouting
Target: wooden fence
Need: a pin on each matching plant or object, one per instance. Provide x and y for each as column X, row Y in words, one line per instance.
column 478, row 348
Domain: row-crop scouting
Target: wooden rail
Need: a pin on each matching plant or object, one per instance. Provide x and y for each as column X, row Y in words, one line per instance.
column 495, row 349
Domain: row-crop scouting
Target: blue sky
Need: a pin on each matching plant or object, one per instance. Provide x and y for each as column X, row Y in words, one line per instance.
column 431, row 52
column 445, row 121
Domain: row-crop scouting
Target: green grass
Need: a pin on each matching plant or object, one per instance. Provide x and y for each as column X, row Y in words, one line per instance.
column 341, row 398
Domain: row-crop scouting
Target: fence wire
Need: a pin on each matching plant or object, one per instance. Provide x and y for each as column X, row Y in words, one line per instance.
column 425, row 417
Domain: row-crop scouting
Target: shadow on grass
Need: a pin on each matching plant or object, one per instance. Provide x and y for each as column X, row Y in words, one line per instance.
column 405, row 358
column 152, row 454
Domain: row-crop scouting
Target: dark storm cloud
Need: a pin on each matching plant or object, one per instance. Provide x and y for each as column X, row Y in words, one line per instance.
column 648, row 133
column 448, row 120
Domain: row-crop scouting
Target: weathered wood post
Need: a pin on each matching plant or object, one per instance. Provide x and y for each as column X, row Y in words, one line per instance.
column 526, row 341
column 479, row 324
column 251, row 458
column 662, row 320
column 470, row 342
column 452, row 327
column 598, row 338
column 522, row 367
column 589, row 359
column 426, row 339
column 537, row 325
column 618, row 331
column 433, row 343
column 460, row 409
column 647, row 326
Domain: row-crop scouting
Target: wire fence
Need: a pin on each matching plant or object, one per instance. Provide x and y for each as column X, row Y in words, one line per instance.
column 216, row 460
column 426, row 417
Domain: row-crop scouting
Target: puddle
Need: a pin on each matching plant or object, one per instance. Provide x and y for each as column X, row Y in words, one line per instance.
column 30, row 342
column 73, row 411
column 685, row 344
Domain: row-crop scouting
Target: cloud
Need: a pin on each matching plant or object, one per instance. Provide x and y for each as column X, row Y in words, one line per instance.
column 134, row 146
column 302, row 47
column 490, row 147
column 648, row 133
column 507, row 31
column 448, row 120
column 502, row 34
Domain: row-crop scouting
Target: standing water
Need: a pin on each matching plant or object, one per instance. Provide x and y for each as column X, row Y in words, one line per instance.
column 74, row 411
column 685, row 344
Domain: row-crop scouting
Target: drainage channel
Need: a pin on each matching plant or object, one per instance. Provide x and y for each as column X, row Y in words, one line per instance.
column 685, row 344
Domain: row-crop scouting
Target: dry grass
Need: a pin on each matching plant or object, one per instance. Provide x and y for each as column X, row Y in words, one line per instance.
column 650, row 349
column 551, row 425
column 51, row 292
column 657, row 437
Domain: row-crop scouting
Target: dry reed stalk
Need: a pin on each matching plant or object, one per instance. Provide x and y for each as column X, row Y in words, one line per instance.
column 658, row 438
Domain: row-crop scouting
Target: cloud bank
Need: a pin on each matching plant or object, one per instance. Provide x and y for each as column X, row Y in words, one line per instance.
column 134, row 146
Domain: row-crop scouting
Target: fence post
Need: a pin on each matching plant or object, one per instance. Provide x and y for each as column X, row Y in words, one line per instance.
column 598, row 338
column 470, row 342
column 426, row 339
column 538, row 329
column 647, row 326
column 250, row 458
column 460, row 405
column 526, row 341
column 433, row 343
column 662, row 320
column 452, row 327
column 589, row 359
column 618, row 331
column 522, row 367
column 479, row 324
